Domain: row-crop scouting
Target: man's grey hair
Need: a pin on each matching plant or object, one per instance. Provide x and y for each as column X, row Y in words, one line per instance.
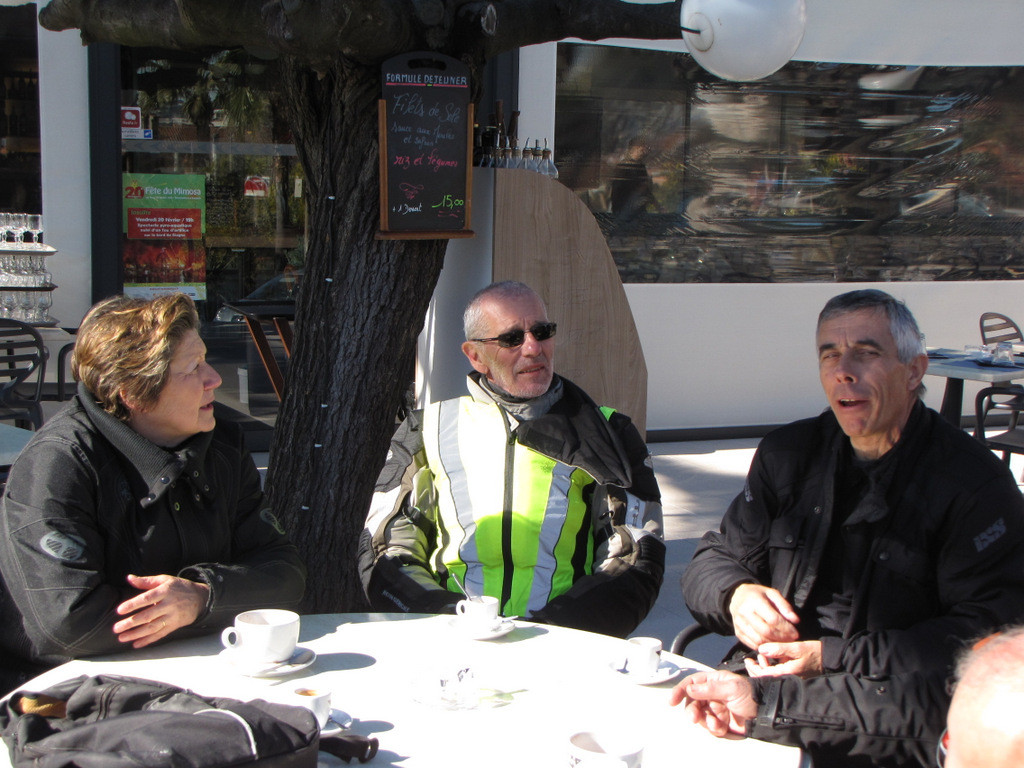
column 473, row 317
column 902, row 324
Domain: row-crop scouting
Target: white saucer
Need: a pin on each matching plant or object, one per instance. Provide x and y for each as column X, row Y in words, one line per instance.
column 475, row 631
column 337, row 722
column 302, row 658
column 667, row 670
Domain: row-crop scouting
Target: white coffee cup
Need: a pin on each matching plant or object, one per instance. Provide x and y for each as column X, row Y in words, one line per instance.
column 643, row 655
column 316, row 700
column 478, row 611
column 587, row 746
column 263, row 636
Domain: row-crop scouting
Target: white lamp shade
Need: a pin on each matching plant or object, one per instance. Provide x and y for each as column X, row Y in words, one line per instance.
column 743, row 39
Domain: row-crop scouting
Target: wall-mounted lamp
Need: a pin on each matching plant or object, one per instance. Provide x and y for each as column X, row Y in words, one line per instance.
column 742, row 39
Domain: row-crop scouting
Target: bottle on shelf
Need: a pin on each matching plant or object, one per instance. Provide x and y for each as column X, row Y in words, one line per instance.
column 547, row 166
column 506, row 155
column 516, row 160
column 513, row 129
column 533, row 161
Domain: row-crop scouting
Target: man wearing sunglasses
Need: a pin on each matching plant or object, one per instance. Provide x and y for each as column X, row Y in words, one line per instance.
column 524, row 490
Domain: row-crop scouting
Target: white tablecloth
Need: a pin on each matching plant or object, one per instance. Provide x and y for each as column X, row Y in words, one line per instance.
column 539, row 685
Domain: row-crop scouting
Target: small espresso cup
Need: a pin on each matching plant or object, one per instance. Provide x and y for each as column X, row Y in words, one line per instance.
column 643, row 655
column 604, row 748
column 478, row 610
column 316, row 700
column 263, row 636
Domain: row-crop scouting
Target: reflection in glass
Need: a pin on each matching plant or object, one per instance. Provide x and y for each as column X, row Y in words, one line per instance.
column 821, row 172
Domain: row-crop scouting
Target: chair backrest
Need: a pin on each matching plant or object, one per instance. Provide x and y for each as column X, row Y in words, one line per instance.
column 21, row 352
column 259, row 338
column 996, row 328
column 284, row 330
column 22, row 355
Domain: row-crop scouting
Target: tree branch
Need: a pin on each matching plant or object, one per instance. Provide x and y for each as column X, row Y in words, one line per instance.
column 317, row 32
column 529, row 22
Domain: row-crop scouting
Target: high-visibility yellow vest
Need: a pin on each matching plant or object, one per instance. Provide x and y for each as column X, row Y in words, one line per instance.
column 511, row 522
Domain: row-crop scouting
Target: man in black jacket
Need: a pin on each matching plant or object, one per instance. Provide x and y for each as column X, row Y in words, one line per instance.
column 871, row 542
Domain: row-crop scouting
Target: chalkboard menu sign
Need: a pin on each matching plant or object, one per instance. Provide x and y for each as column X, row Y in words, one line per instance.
column 425, row 147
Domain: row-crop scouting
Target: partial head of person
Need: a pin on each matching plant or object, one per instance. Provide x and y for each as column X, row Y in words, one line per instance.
column 510, row 340
column 985, row 725
column 871, row 361
column 145, row 364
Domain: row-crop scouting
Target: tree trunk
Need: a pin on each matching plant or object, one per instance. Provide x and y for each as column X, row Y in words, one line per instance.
column 360, row 307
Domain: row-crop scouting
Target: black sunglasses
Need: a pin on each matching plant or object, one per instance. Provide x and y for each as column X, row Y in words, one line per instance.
column 510, row 339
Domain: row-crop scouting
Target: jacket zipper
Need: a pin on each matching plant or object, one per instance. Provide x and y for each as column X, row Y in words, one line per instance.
column 506, row 514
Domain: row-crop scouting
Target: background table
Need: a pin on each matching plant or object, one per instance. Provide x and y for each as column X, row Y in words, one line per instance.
column 384, row 671
column 956, row 367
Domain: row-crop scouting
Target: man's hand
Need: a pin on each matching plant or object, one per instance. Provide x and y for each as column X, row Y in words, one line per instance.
column 773, row 659
column 720, row 701
column 762, row 615
column 166, row 603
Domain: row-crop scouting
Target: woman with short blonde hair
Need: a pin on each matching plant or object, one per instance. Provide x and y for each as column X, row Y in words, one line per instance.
column 132, row 515
column 125, row 345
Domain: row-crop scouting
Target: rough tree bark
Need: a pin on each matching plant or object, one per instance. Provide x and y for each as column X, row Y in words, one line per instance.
column 361, row 306
column 362, row 301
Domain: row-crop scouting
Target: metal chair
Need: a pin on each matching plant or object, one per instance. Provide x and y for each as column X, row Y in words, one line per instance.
column 22, row 356
column 284, row 330
column 687, row 636
column 264, row 350
column 1000, row 399
column 996, row 328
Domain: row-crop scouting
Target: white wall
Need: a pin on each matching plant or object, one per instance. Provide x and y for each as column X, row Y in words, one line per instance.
column 725, row 355
column 64, row 137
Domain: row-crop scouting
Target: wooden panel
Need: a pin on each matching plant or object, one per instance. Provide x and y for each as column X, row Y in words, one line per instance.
column 545, row 237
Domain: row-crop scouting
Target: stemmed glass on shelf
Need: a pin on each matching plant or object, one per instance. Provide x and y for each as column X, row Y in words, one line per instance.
column 17, row 225
column 34, row 226
column 43, row 303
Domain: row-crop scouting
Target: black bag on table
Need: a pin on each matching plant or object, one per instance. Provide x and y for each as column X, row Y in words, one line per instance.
column 110, row 721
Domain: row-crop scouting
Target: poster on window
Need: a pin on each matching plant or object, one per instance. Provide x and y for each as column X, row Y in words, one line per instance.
column 164, row 219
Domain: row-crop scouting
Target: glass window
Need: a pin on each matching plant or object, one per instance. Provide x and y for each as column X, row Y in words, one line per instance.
column 821, row 172
column 20, row 172
column 213, row 200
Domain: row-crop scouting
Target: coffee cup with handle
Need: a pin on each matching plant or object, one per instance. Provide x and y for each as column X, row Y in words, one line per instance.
column 479, row 611
column 263, row 636
column 643, row 655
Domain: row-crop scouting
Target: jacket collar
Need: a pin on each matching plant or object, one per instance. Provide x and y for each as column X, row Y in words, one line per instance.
column 572, row 430
column 157, row 467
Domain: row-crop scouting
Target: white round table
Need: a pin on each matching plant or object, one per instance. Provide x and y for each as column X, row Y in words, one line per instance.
column 528, row 692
